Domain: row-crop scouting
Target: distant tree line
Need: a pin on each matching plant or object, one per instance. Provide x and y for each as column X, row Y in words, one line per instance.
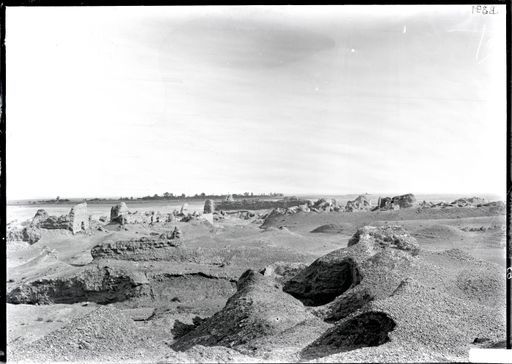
column 56, row 200
column 166, row 196
column 171, row 196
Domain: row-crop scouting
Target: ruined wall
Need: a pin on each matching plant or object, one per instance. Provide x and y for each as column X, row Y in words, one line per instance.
column 79, row 218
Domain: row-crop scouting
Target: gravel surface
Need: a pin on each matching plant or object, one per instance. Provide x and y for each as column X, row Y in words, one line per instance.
column 105, row 334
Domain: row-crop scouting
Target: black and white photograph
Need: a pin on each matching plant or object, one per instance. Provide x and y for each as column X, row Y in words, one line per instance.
column 249, row 184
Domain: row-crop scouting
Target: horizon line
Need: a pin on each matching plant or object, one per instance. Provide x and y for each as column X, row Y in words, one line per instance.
column 259, row 194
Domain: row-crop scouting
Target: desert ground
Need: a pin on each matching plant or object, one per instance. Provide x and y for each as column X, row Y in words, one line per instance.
column 316, row 282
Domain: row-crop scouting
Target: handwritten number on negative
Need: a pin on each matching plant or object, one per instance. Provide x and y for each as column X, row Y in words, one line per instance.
column 484, row 9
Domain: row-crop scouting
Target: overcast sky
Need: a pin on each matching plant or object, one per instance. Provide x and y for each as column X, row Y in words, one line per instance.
column 295, row 99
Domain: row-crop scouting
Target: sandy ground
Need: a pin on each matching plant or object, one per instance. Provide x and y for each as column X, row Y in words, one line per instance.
column 183, row 290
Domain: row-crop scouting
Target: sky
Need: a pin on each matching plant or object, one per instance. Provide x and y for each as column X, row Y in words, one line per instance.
column 133, row 101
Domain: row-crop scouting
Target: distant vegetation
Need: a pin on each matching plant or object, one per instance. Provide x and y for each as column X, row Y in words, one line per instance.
column 202, row 196
column 55, row 201
column 165, row 196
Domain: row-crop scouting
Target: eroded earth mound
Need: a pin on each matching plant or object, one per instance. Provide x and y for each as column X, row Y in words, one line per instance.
column 258, row 308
